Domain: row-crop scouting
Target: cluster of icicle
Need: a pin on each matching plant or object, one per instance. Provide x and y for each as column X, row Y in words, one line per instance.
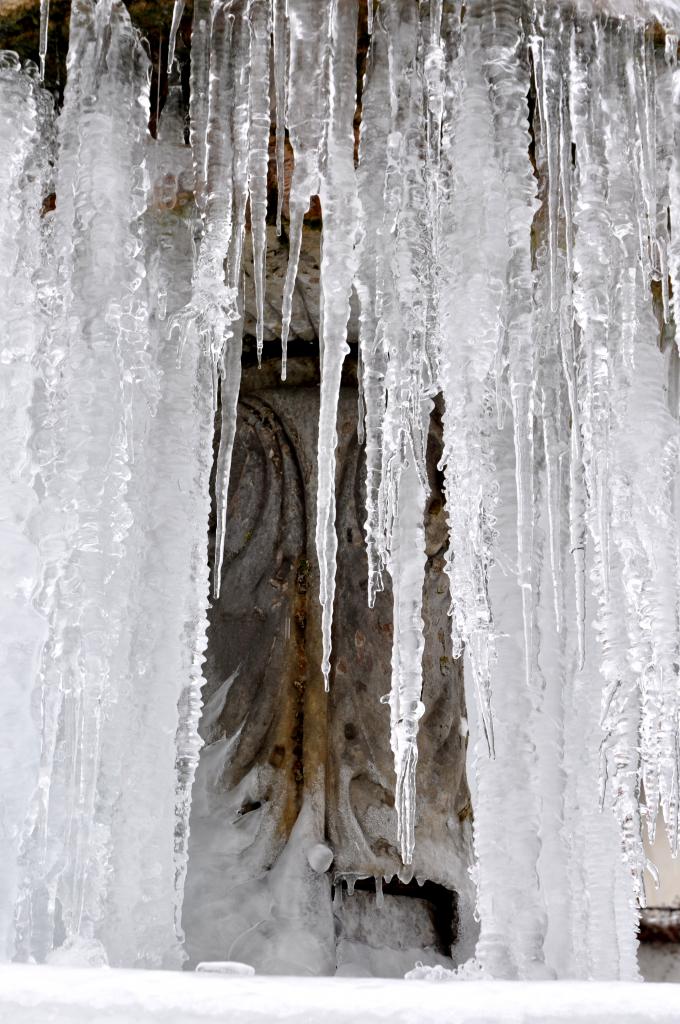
column 521, row 263
column 105, row 499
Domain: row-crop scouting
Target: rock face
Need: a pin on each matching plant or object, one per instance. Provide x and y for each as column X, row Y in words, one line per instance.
column 288, row 769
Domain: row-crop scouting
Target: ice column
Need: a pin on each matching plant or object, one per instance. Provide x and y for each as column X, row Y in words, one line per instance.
column 25, row 152
column 99, row 386
column 169, row 499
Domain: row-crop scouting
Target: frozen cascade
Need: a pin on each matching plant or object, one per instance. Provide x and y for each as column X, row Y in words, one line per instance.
column 169, row 497
column 100, row 334
column 508, row 224
column 25, row 134
column 101, row 867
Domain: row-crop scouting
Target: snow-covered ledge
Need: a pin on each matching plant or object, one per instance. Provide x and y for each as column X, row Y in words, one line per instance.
column 59, row 995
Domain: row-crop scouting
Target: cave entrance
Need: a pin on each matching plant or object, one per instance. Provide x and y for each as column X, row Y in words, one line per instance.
column 295, row 787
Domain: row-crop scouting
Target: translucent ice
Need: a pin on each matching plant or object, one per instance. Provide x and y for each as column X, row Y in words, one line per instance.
column 25, row 137
column 507, row 217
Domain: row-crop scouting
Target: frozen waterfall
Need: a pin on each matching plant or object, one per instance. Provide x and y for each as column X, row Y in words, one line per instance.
column 500, row 193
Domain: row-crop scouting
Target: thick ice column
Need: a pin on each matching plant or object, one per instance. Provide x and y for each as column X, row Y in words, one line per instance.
column 510, row 904
column 99, row 386
column 555, row 630
column 600, row 928
column 613, row 312
column 474, row 259
column 170, row 502
column 506, row 70
column 25, row 151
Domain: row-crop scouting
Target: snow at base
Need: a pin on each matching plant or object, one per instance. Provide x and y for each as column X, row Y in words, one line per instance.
column 44, row 995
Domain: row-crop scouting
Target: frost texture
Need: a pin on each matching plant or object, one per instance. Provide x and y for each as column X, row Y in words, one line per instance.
column 507, row 220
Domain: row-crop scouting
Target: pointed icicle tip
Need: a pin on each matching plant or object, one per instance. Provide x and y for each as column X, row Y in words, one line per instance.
column 42, row 46
column 177, row 12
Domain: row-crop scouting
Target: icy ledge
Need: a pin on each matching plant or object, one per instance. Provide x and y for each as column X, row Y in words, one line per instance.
column 69, row 996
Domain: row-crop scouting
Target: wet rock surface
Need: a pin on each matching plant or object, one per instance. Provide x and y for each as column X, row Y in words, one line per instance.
column 287, row 767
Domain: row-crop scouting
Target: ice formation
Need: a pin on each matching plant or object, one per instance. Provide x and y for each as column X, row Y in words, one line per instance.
column 108, row 498
column 507, row 219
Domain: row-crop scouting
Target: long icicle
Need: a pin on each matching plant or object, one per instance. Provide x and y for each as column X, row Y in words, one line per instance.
column 177, row 12
column 306, row 96
column 340, row 211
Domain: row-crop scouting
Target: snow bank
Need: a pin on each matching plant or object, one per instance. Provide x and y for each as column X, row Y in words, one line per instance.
column 73, row 995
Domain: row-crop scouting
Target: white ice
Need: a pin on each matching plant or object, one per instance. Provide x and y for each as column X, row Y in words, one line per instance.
column 517, row 268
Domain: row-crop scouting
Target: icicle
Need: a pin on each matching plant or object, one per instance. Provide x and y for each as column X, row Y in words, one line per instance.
column 199, row 94
column 548, row 63
column 361, row 410
column 577, row 518
column 305, row 116
column 340, row 212
column 177, row 12
column 509, row 87
column 638, row 71
column 406, row 299
column 407, row 567
column 551, row 288
column 434, row 72
column 44, row 26
column 231, row 383
column 663, row 103
column 230, row 360
column 213, row 305
column 281, row 45
column 258, row 155
column 370, row 281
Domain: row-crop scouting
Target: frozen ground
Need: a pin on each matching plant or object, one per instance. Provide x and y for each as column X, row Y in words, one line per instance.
column 38, row 995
